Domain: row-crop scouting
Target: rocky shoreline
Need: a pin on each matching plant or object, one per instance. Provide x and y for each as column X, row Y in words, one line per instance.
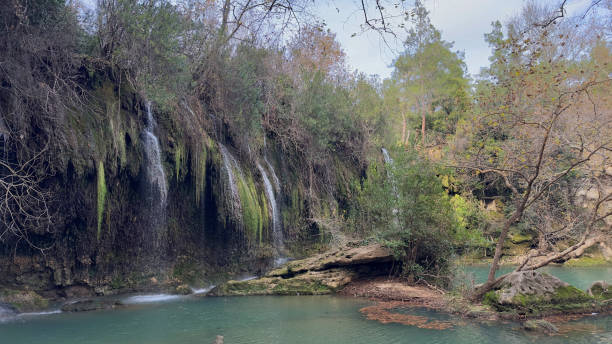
column 533, row 298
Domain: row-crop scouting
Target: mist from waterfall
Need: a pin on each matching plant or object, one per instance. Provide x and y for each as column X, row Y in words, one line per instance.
column 154, row 169
column 277, row 233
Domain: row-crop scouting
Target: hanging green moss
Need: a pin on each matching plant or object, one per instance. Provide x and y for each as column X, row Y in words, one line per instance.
column 265, row 216
column 101, row 196
column 251, row 209
column 199, row 169
column 178, row 156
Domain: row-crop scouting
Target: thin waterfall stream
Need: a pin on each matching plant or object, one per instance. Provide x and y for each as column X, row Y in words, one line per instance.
column 277, row 232
column 155, row 171
column 229, row 163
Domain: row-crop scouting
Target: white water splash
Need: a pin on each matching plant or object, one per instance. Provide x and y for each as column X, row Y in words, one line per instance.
column 198, row 291
column 155, row 170
column 246, row 278
column 277, row 232
column 150, row 298
column 281, row 261
column 33, row 314
column 7, row 315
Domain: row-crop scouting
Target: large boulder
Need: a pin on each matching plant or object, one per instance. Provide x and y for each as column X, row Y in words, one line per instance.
column 536, row 293
column 540, row 325
column 600, row 290
column 321, row 274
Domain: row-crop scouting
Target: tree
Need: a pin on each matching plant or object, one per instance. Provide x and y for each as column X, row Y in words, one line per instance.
column 538, row 125
column 38, row 87
column 146, row 38
column 317, row 49
column 429, row 75
column 403, row 205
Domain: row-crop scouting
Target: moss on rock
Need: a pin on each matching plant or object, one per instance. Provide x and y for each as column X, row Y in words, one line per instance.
column 23, row 300
column 600, row 290
column 101, row 196
column 534, row 293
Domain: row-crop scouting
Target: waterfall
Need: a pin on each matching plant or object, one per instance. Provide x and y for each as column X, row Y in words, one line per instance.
column 229, row 163
column 155, row 170
column 387, row 157
column 271, row 168
column 389, row 162
column 277, row 232
column 274, row 177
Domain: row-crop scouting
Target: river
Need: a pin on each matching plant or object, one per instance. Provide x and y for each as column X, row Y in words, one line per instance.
column 304, row 319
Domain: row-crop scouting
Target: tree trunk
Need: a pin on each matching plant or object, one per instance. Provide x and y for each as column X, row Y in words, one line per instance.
column 423, row 129
column 226, row 10
column 491, row 281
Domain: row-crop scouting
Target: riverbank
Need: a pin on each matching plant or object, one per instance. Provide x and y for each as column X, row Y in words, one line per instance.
column 394, row 299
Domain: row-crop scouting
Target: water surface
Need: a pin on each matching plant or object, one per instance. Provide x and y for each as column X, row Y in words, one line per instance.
column 580, row 277
column 299, row 320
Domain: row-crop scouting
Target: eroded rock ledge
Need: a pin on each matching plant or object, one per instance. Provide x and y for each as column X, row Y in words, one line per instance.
column 321, row 274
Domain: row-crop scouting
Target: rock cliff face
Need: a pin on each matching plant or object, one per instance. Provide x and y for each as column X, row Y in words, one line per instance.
column 110, row 229
column 321, row 274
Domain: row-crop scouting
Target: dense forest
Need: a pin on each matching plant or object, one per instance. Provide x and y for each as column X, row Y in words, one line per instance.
column 156, row 144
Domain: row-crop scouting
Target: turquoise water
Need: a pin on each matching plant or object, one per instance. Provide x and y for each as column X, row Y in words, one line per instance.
column 267, row 319
column 580, row 277
column 303, row 319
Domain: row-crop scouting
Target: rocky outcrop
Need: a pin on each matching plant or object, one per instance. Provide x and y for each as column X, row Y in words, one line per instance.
column 321, row 274
column 23, row 301
column 90, row 305
column 540, row 325
column 536, row 293
column 600, row 290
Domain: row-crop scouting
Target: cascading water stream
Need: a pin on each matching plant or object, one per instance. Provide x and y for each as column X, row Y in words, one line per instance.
column 277, row 232
column 271, row 168
column 387, row 157
column 389, row 162
column 229, row 163
column 155, row 170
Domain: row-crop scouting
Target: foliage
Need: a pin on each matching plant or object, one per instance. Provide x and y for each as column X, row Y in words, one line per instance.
column 471, row 222
column 429, row 78
column 145, row 37
column 404, row 206
column 537, row 131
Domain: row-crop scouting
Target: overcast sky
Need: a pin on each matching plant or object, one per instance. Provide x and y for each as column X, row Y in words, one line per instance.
column 461, row 21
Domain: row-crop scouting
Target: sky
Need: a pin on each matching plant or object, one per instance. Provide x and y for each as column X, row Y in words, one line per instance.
column 463, row 22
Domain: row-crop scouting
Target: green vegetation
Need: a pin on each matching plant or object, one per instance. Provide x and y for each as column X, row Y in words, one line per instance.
column 252, row 214
column 101, row 196
column 405, row 207
column 502, row 157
